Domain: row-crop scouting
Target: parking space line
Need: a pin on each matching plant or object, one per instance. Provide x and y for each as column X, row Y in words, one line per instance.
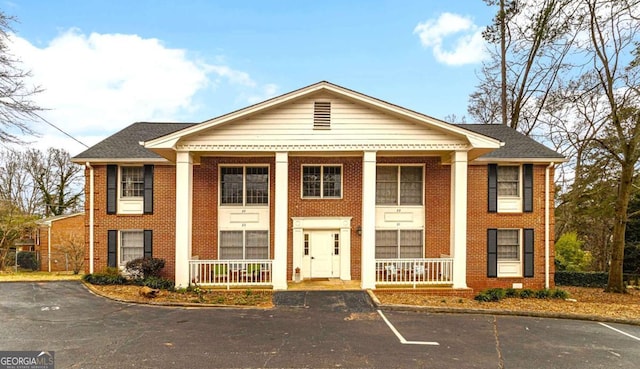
column 400, row 337
column 621, row 332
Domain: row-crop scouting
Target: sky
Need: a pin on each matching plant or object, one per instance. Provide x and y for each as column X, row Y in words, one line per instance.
column 106, row 64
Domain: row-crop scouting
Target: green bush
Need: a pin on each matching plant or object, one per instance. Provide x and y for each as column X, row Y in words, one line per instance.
column 527, row 293
column 543, row 294
column 492, row 294
column 27, row 260
column 142, row 268
column 581, row 279
column 512, row 292
column 105, row 278
column 559, row 294
column 158, row 283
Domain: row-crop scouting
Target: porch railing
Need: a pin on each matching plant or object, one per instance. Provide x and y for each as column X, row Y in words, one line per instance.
column 415, row 272
column 230, row 273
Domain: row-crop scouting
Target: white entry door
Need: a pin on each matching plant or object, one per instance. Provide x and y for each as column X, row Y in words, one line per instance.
column 322, row 252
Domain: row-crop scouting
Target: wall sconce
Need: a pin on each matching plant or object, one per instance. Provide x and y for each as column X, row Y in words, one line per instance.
column 359, row 230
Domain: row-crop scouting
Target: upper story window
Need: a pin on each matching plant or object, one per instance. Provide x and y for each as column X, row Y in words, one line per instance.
column 399, row 185
column 244, row 185
column 508, row 181
column 131, row 181
column 321, row 181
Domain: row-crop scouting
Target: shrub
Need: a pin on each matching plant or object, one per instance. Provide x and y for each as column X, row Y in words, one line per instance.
column 543, row 294
column 527, row 293
column 158, row 283
column 492, row 294
column 581, row 279
column 105, row 279
column 27, row 260
column 512, row 292
column 559, row 294
column 143, row 268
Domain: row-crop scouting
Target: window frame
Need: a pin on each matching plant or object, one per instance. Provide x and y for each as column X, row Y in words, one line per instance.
column 244, row 243
column 399, row 183
column 519, row 182
column 519, row 246
column 244, row 194
column 121, row 182
column 122, row 263
column 322, row 181
column 398, row 243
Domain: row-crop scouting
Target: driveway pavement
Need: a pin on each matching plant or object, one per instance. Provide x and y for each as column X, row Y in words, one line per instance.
column 305, row 330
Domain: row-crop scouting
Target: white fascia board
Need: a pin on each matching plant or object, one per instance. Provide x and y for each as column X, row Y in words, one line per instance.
column 120, row 160
column 519, row 160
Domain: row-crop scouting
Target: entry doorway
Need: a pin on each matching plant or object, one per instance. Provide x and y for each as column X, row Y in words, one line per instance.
column 321, row 254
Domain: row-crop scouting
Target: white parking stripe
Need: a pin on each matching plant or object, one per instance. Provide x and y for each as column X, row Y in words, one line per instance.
column 400, row 337
column 621, row 332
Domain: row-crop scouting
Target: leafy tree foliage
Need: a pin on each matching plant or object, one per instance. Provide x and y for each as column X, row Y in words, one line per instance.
column 570, row 255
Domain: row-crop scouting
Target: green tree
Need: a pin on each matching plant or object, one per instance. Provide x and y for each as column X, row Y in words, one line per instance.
column 570, row 255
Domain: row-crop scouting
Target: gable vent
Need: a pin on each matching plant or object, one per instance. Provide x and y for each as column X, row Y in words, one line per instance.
column 321, row 115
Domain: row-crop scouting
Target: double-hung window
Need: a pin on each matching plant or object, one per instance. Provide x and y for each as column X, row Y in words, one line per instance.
column 508, row 181
column 240, row 245
column 131, row 246
column 322, row 181
column 508, row 245
column 399, row 185
column 510, row 252
column 510, row 188
column 394, row 244
column 244, row 185
column 131, row 181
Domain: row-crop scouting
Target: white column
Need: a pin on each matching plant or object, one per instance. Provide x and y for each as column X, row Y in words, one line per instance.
column 368, row 239
column 459, row 218
column 281, row 222
column 184, row 193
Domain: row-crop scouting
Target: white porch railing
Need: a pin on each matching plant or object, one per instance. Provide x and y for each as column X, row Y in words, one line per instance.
column 415, row 272
column 230, row 273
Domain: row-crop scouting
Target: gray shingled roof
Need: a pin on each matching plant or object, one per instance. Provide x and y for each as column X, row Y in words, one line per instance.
column 516, row 145
column 125, row 144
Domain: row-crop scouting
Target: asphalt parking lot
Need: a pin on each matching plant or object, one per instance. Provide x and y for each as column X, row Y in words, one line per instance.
column 305, row 330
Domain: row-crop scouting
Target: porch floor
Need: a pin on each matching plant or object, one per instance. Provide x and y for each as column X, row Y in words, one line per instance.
column 329, row 284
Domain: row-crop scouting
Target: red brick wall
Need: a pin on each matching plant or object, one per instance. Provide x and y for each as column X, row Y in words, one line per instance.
column 479, row 220
column 162, row 221
column 61, row 232
column 437, row 213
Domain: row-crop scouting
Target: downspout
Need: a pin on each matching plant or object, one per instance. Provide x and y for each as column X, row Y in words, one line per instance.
column 49, row 246
column 547, row 225
column 91, row 206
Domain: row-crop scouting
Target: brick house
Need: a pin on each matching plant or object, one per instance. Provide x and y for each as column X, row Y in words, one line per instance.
column 324, row 182
column 52, row 233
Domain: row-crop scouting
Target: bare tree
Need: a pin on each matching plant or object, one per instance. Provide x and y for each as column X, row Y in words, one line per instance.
column 57, row 179
column 72, row 244
column 531, row 41
column 17, row 108
column 16, row 185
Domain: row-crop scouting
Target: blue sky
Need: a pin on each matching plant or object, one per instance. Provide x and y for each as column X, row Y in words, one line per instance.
column 106, row 64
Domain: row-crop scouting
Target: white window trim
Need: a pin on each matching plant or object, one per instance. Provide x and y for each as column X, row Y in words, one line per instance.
column 398, row 238
column 511, row 268
column 397, row 204
column 510, row 204
column 129, row 204
column 122, row 264
column 244, row 186
column 321, row 197
column 244, row 242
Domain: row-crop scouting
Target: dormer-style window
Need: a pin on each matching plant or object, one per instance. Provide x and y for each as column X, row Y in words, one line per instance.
column 321, row 115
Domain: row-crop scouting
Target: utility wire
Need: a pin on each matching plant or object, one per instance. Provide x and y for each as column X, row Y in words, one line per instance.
column 60, row 129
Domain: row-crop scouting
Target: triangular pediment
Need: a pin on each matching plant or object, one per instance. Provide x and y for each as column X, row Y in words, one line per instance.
column 323, row 118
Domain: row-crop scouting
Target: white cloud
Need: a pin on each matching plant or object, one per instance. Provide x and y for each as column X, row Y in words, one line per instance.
column 268, row 91
column 468, row 45
column 99, row 83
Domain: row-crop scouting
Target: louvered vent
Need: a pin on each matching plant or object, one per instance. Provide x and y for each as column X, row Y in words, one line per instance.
column 322, row 115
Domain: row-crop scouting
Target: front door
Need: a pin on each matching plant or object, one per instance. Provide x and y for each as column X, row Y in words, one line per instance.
column 321, row 254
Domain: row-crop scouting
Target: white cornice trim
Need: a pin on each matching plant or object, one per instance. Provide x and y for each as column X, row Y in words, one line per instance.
column 323, row 147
